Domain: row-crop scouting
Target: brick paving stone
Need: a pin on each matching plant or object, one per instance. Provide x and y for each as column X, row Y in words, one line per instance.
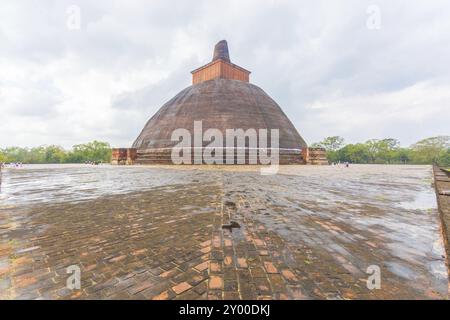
column 139, row 252
column 196, row 279
column 215, row 295
column 181, row 287
column 118, row 258
column 205, row 243
column 169, row 273
column 205, row 249
column 119, row 296
column 262, row 286
column 270, row 268
column 230, row 273
column 215, row 267
column 242, row 263
column 228, row 261
column 231, row 296
column 259, row 242
column 215, row 282
column 139, row 287
column 201, row 288
column 202, row 266
column 230, row 285
column 217, row 255
column 258, row 272
column 188, row 295
column 248, row 293
column 162, row 296
column 289, row 275
column 243, row 273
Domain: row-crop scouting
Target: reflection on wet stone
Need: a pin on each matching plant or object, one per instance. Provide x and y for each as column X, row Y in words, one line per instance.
column 220, row 233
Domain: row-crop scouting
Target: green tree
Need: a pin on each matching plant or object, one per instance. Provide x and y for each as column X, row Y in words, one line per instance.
column 387, row 150
column 426, row 151
column 315, row 145
column 2, row 156
column 355, row 153
column 35, row 155
column 444, row 158
column 91, row 151
column 430, row 150
column 15, row 154
column 372, row 149
column 382, row 151
column 331, row 145
column 54, row 154
column 403, row 155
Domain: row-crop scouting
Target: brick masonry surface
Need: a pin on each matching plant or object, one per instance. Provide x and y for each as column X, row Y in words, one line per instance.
column 442, row 186
column 306, row 233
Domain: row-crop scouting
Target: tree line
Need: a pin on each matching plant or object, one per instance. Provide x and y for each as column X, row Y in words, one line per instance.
column 95, row 151
column 388, row 151
column 383, row 151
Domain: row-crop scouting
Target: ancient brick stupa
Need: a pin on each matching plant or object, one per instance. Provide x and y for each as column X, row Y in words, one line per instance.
column 221, row 97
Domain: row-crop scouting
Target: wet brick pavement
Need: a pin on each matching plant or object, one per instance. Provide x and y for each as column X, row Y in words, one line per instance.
column 212, row 233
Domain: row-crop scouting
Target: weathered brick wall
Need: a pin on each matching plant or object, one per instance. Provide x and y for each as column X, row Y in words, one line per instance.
column 442, row 187
column 164, row 156
column 120, row 156
column 220, row 69
column 317, row 156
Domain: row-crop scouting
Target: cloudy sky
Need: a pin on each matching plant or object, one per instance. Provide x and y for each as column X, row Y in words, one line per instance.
column 355, row 68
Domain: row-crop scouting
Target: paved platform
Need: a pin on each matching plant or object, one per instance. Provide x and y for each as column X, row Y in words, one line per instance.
column 442, row 186
column 220, row 233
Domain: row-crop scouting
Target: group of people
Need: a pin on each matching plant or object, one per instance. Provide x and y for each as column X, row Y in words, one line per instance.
column 20, row 164
column 346, row 163
column 11, row 165
column 94, row 163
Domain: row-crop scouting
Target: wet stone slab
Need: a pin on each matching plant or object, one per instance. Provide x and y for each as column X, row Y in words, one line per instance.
column 220, row 233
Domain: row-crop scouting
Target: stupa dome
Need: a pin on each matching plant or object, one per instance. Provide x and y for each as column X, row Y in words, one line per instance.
column 222, row 98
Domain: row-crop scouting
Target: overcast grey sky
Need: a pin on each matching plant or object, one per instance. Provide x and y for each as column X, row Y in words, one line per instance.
column 335, row 67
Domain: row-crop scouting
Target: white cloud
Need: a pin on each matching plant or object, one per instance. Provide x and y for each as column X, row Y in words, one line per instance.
column 420, row 110
column 318, row 60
